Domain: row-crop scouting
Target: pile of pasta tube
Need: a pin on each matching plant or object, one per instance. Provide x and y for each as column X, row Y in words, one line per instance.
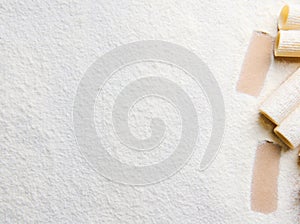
column 287, row 43
column 282, row 107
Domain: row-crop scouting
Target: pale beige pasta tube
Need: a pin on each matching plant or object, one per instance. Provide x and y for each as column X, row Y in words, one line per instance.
column 283, row 100
column 289, row 130
column 256, row 64
column 287, row 43
column 289, row 18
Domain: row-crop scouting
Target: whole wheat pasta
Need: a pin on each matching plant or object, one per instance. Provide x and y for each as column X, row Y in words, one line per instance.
column 289, row 18
column 287, row 43
column 264, row 192
column 289, row 130
column 283, row 100
column 256, row 64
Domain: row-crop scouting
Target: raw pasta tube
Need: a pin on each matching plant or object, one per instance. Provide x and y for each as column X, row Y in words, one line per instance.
column 287, row 43
column 283, row 100
column 256, row 64
column 289, row 130
column 289, row 18
column 264, row 197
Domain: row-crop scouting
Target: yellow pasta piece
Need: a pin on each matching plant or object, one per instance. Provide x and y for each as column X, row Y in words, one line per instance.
column 289, row 18
column 283, row 100
column 287, row 43
column 289, row 130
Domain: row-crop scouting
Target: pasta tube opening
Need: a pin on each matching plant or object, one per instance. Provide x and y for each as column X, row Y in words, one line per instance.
column 283, row 16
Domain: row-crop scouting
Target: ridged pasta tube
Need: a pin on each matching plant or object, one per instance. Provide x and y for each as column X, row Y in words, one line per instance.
column 287, row 43
column 289, row 130
column 289, row 18
column 283, row 100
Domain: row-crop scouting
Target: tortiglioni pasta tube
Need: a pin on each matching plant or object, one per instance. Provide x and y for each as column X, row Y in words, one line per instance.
column 289, row 18
column 287, row 43
column 289, row 130
column 283, row 100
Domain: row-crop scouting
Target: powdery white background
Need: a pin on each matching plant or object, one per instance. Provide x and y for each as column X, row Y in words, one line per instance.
column 46, row 47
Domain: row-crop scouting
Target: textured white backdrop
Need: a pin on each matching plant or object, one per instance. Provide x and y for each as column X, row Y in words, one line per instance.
column 46, row 47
